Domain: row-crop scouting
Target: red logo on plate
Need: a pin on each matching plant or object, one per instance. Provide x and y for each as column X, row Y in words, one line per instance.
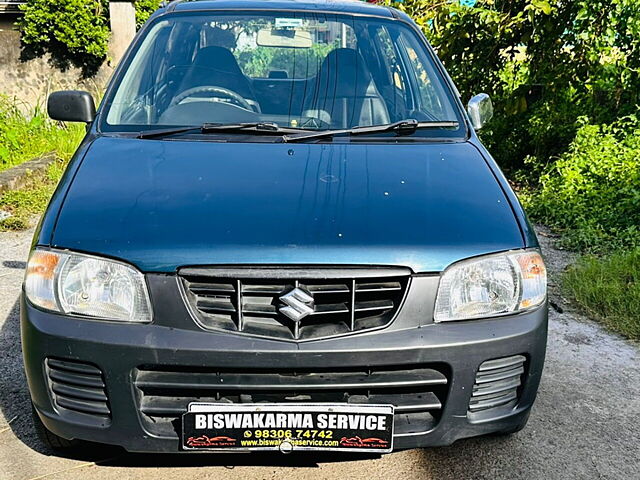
column 358, row 442
column 205, row 441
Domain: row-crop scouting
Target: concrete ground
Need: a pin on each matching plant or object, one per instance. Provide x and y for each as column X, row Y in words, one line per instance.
column 585, row 424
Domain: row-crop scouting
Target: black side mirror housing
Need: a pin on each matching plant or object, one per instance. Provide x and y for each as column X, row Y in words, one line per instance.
column 71, row 106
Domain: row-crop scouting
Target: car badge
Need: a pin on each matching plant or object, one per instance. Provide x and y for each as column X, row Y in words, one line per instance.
column 298, row 304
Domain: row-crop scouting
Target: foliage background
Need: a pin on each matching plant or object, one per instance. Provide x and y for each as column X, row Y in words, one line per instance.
column 545, row 64
column 75, row 33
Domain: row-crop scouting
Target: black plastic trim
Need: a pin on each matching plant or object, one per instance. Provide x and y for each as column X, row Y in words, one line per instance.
column 300, row 272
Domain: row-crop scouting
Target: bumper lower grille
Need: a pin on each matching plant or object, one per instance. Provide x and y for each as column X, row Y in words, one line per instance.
column 418, row 394
column 295, row 304
column 78, row 387
column 497, row 384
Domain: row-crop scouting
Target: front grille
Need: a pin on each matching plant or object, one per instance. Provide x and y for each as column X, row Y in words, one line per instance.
column 497, row 384
column 331, row 301
column 78, row 387
column 418, row 393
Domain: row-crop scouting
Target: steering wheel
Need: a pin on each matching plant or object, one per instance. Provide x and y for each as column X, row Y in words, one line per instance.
column 219, row 91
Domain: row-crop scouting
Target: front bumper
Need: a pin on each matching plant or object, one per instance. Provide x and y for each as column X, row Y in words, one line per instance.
column 120, row 350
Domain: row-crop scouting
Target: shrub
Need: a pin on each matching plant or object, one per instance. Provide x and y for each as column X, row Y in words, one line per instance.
column 144, row 9
column 75, row 33
column 592, row 192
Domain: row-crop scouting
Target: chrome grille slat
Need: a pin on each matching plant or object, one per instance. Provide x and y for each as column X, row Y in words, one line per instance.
column 331, row 308
column 328, row 288
column 378, row 287
column 373, row 305
column 212, row 288
column 262, row 289
column 259, row 309
column 253, row 302
column 215, row 305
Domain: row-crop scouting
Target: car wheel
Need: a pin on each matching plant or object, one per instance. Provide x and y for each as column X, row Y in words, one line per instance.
column 50, row 439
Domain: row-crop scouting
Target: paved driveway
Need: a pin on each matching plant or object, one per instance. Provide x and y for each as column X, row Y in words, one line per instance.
column 585, row 424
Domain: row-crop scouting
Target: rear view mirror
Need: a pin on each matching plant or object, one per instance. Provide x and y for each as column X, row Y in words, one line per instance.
column 284, row 38
column 480, row 110
column 71, row 106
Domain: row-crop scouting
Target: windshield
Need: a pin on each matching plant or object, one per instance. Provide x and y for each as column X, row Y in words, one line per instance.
column 295, row 70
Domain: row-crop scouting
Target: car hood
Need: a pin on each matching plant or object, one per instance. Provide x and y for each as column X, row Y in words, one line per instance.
column 165, row 204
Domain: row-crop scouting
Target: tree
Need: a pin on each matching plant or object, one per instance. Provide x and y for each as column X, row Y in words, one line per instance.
column 544, row 62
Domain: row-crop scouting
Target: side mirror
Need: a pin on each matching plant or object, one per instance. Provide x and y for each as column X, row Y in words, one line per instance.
column 480, row 110
column 71, row 106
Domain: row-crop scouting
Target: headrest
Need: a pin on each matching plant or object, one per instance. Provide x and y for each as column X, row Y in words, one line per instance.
column 344, row 68
column 218, row 58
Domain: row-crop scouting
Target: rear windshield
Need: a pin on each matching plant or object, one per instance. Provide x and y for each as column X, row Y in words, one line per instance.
column 307, row 71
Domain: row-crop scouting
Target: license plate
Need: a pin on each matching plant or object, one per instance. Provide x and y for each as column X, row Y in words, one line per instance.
column 287, row 427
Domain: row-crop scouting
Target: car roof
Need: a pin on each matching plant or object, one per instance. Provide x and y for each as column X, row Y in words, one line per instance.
column 331, row 6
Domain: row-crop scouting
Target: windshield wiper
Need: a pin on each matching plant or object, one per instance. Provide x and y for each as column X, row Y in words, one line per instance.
column 403, row 127
column 254, row 128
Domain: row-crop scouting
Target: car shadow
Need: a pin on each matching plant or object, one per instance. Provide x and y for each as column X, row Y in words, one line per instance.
column 14, row 395
column 17, row 264
column 257, row 459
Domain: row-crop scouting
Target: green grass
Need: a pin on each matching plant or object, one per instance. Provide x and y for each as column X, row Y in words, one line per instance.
column 608, row 288
column 24, row 136
column 29, row 201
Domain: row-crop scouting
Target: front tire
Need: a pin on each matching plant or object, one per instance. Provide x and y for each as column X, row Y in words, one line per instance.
column 50, row 439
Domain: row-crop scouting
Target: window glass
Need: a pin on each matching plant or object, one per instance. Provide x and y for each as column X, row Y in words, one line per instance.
column 258, row 61
column 430, row 94
column 299, row 70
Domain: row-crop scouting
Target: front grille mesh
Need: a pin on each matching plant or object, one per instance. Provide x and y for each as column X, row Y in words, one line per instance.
column 254, row 304
column 497, row 384
column 418, row 393
column 78, row 387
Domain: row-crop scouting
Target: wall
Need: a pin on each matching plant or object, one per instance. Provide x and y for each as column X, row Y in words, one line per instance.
column 122, row 18
column 30, row 82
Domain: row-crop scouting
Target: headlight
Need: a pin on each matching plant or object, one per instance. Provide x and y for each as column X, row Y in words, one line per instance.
column 85, row 285
column 491, row 285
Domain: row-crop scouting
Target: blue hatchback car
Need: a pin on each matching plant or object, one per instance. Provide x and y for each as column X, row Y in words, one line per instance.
column 281, row 232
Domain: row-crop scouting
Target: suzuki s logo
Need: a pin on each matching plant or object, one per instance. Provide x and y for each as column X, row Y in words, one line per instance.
column 298, row 303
